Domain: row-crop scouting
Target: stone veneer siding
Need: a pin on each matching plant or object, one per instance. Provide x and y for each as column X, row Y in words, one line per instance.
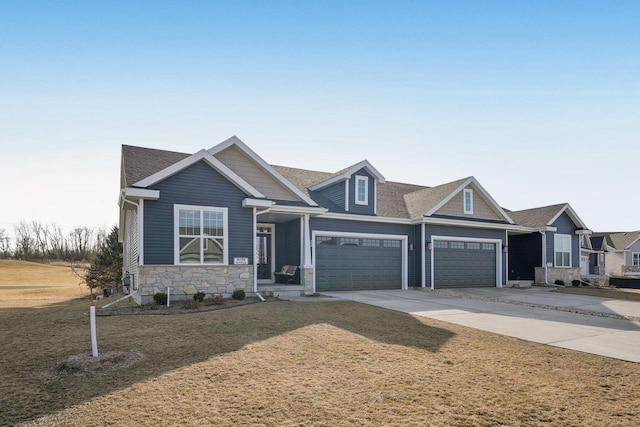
column 630, row 270
column 555, row 273
column 306, row 280
column 185, row 280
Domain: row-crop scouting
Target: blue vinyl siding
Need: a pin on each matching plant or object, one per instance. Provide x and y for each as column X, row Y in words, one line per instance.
column 332, row 197
column 565, row 225
column 452, row 231
column 361, row 209
column 345, row 226
column 198, row 185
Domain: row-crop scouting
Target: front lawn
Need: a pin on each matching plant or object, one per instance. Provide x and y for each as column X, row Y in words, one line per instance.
column 296, row 363
column 623, row 294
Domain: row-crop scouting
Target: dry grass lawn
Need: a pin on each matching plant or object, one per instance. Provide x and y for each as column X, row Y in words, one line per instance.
column 298, row 364
column 623, row 294
column 29, row 284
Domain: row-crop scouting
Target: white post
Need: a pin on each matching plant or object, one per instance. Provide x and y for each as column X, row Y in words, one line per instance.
column 94, row 340
column 307, row 243
column 168, row 296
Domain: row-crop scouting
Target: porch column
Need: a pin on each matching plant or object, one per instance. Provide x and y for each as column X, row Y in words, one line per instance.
column 307, row 243
column 306, row 273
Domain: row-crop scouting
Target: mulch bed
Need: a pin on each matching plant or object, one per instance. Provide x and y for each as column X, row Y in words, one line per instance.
column 176, row 307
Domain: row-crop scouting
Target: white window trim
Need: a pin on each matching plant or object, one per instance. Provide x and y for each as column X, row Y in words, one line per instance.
column 464, row 201
column 555, row 251
column 176, row 234
column 360, row 178
column 635, row 254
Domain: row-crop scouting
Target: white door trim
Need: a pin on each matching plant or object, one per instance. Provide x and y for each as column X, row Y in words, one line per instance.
column 272, row 232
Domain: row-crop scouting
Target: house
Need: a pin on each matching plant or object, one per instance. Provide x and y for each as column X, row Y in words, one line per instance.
column 621, row 252
column 224, row 219
column 592, row 255
column 553, row 251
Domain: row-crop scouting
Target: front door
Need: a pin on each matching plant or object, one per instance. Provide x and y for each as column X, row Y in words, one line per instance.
column 584, row 265
column 264, row 253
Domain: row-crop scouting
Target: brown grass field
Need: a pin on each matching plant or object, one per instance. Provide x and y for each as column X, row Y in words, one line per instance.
column 623, row 294
column 28, row 284
column 298, row 364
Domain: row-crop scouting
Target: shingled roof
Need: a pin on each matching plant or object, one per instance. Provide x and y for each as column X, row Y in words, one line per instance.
column 139, row 162
column 536, row 217
column 422, row 201
column 390, row 202
column 619, row 240
column 394, row 199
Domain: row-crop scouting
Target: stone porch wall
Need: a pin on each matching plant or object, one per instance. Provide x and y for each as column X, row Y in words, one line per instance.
column 555, row 273
column 186, row 280
column 630, row 270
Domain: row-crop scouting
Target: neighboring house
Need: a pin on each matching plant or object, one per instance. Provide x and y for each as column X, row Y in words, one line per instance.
column 553, row 252
column 621, row 252
column 592, row 255
column 224, row 219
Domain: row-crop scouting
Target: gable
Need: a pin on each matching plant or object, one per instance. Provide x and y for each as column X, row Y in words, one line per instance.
column 236, row 160
column 364, row 208
column 482, row 209
column 564, row 224
column 635, row 246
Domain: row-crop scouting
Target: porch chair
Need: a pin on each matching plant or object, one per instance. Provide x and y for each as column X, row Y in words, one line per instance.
column 286, row 274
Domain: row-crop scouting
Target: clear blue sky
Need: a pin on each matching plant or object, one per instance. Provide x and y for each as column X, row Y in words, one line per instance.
column 540, row 101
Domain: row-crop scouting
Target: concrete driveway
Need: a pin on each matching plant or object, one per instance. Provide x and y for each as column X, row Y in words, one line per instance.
column 589, row 324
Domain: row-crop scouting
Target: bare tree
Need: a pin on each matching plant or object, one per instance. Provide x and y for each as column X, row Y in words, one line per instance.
column 57, row 242
column 79, row 243
column 24, row 244
column 5, row 244
column 41, row 244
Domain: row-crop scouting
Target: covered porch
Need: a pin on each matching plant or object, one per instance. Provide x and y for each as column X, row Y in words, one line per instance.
column 283, row 239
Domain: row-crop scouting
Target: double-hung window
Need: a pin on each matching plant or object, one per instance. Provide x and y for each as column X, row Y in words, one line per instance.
column 635, row 258
column 562, row 249
column 201, row 235
column 362, row 190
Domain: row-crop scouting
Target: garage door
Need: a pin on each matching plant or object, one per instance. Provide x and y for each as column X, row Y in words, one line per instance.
column 463, row 264
column 345, row 263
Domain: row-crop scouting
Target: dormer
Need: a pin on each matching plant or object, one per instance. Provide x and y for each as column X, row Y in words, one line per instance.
column 351, row 190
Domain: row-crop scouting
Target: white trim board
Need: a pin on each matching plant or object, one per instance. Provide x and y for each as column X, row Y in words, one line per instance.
column 234, row 140
column 403, row 238
column 485, row 194
column 572, row 215
column 347, row 174
column 364, row 179
column 211, row 161
column 272, row 233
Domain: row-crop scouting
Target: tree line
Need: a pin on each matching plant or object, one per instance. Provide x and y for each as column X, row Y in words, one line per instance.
column 36, row 241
